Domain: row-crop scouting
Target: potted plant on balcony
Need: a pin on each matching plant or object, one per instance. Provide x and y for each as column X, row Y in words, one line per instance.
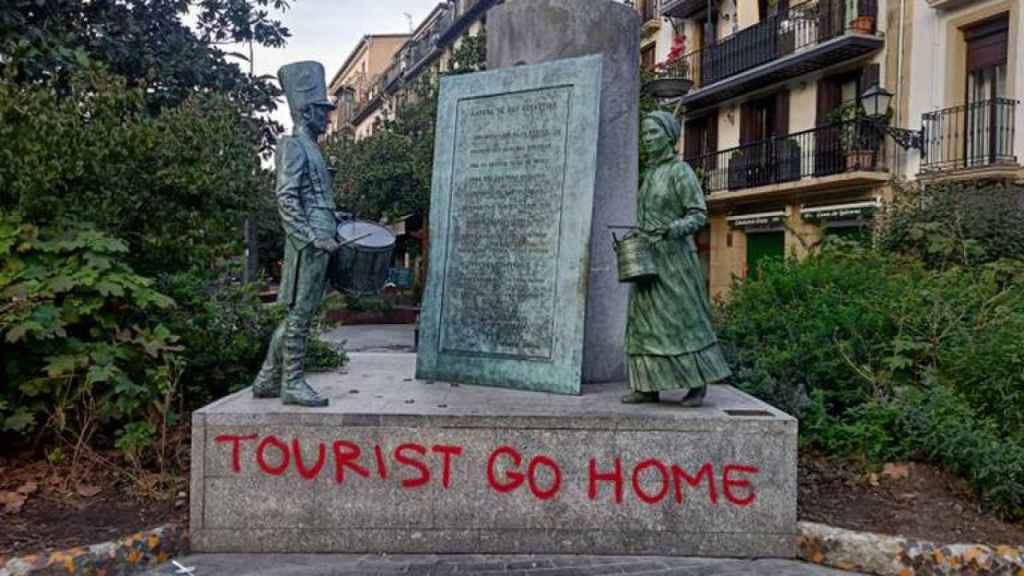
column 849, row 119
column 672, row 77
column 862, row 22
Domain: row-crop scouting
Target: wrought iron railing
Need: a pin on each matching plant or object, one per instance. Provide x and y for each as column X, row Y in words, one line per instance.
column 789, row 30
column 971, row 135
column 392, row 74
column 649, row 10
column 823, row 151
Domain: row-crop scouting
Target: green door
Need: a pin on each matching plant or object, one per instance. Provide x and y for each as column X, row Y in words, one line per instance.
column 760, row 247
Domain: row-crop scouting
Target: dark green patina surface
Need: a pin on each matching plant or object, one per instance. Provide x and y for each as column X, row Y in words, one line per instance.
column 514, row 169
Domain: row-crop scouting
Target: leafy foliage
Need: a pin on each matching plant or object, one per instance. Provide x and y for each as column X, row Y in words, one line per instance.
column 174, row 187
column 954, row 223
column 149, row 44
column 388, row 173
column 78, row 349
column 883, row 357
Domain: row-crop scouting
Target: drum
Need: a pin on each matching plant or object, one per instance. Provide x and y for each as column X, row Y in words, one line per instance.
column 636, row 263
column 361, row 268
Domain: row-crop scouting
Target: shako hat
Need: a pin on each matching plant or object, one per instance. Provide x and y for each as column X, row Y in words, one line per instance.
column 303, row 84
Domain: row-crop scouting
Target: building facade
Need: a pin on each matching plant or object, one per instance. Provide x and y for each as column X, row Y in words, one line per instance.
column 965, row 76
column 771, row 123
column 383, row 70
column 353, row 84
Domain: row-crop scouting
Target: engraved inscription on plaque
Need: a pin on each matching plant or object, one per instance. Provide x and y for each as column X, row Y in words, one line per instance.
column 508, row 178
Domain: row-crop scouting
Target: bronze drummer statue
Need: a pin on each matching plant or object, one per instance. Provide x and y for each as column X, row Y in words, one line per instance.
column 305, row 200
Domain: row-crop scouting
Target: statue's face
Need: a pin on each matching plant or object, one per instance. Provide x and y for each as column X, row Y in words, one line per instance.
column 654, row 137
column 316, row 119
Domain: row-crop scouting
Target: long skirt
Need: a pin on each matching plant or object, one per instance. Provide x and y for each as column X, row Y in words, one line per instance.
column 650, row 373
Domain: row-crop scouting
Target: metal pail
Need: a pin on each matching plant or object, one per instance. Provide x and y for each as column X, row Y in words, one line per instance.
column 636, row 262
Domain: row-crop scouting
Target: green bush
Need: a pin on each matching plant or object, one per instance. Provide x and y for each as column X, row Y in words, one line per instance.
column 80, row 352
column 225, row 330
column 883, row 357
column 174, row 187
column 954, row 223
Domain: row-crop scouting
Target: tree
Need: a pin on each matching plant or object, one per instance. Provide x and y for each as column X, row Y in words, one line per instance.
column 389, row 172
column 149, row 44
column 175, row 187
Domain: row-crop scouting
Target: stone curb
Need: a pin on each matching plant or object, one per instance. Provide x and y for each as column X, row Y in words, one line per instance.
column 896, row 556
column 122, row 557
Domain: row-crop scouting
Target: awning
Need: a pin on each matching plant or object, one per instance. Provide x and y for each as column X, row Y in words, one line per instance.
column 758, row 220
column 840, row 212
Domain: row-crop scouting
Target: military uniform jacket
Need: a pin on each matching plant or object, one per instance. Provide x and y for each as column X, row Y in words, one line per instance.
column 305, row 200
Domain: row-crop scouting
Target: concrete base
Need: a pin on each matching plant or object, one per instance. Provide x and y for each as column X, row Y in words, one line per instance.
column 404, row 466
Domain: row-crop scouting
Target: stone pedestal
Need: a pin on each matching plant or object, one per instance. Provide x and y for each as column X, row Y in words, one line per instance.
column 536, row 31
column 399, row 465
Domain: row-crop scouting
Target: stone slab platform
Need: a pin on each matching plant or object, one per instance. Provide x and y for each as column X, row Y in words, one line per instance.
column 399, row 465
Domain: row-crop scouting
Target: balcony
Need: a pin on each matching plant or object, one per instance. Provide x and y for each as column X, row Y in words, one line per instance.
column 975, row 136
column 682, row 8
column 851, row 152
column 801, row 39
column 649, row 11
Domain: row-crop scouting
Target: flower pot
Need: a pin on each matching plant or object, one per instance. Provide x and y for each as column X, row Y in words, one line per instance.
column 863, row 24
column 668, row 87
column 859, row 160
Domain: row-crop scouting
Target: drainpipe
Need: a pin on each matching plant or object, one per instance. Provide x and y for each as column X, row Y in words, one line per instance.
column 899, row 74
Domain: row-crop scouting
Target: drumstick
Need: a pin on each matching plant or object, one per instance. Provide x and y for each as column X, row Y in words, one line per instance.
column 354, row 240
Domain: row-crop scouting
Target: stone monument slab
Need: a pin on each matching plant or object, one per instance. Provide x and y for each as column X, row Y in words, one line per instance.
column 535, row 31
column 511, row 206
column 398, row 465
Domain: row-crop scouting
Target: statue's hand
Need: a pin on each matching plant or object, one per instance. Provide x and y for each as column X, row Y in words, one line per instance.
column 326, row 244
column 679, row 229
column 655, row 233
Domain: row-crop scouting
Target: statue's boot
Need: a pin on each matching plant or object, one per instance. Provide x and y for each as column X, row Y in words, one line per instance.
column 640, row 398
column 268, row 381
column 694, row 397
column 296, row 390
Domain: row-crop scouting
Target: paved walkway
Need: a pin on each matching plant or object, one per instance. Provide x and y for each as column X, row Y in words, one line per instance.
column 374, row 337
column 345, row 565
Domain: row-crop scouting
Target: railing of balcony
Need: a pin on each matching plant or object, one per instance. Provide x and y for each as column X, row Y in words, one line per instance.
column 392, row 73
column 790, row 29
column 649, row 9
column 968, row 136
column 822, row 151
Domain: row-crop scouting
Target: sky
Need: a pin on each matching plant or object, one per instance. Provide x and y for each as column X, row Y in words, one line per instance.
column 328, row 30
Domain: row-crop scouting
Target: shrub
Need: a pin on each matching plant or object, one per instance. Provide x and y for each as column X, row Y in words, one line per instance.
column 225, row 330
column 174, row 187
column 80, row 354
column 954, row 223
column 882, row 357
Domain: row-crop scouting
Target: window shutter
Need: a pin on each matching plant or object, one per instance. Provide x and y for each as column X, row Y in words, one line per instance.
column 692, row 136
column 869, row 76
column 782, row 113
column 987, row 43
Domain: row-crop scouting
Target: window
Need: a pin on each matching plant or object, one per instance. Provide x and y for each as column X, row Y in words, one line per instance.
column 987, row 45
column 647, row 61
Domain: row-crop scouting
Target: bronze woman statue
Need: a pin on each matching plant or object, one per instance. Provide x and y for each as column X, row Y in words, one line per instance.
column 670, row 342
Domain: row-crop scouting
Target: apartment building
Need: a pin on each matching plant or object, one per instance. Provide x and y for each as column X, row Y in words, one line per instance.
column 771, row 128
column 966, row 75
column 380, row 74
column 770, row 125
column 353, row 84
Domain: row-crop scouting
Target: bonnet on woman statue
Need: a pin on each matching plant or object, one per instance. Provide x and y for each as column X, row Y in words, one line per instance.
column 668, row 123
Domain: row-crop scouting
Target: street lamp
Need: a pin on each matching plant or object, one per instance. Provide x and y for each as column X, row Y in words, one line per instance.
column 874, row 102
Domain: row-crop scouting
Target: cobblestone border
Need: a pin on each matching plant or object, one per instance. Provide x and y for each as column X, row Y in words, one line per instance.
column 896, row 556
column 122, row 557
